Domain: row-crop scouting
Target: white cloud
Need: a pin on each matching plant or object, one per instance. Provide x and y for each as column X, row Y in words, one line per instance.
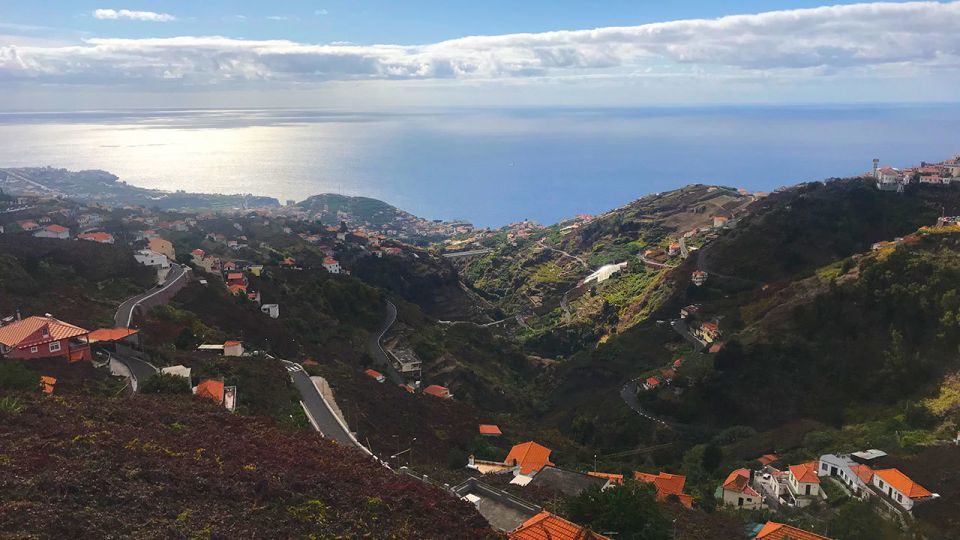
column 151, row 16
column 873, row 38
column 321, row 12
column 278, row 18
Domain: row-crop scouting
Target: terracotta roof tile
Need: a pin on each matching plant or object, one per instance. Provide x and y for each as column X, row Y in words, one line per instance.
column 780, row 531
column 530, row 456
column 805, row 472
column 211, row 389
column 490, row 429
column 903, row 483
column 547, row 526
column 15, row 334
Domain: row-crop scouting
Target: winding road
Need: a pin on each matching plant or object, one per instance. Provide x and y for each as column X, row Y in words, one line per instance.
column 141, row 369
column 124, row 316
column 576, row 258
column 375, row 349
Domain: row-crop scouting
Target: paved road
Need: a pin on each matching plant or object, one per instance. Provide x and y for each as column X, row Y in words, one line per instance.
column 140, row 369
column 471, row 253
column 376, row 349
column 327, row 423
column 124, row 315
column 564, row 253
column 629, row 395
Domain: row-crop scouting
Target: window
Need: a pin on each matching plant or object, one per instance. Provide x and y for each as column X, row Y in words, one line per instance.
column 899, row 497
column 54, row 346
column 34, row 349
column 45, row 332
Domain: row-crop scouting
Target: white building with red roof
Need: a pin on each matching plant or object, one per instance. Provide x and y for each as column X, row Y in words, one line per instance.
column 738, row 491
column 58, row 232
column 44, row 337
column 331, row 265
column 900, row 488
column 803, row 483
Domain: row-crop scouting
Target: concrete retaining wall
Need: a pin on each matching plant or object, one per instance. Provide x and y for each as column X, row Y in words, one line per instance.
column 327, row 394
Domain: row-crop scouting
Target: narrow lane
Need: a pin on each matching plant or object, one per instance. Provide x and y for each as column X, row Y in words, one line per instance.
column 327, row 423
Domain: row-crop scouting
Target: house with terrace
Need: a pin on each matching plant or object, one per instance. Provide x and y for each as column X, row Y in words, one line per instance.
column 857, row 477
column 737, row 491
column 44, row 337
column 900, row 488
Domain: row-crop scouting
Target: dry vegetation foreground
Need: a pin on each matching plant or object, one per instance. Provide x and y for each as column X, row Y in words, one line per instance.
column 172, row 467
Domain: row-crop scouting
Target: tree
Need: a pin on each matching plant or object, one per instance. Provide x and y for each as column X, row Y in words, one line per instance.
column 14, row 376
column 630, row 510
column 712, row 456
column 186, row 340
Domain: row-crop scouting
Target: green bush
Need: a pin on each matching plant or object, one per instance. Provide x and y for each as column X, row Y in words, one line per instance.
column 14, row 376
column 165, row 383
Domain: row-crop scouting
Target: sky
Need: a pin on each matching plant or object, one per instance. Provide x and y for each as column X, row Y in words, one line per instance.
column 382, row 54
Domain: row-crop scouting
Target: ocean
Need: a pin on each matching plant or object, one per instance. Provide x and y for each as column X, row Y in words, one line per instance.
column 487, row 166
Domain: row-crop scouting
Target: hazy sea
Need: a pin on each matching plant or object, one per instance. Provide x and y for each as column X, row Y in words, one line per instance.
column 487, row 166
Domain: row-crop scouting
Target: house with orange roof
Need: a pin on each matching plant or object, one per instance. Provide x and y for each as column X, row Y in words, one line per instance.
column 529, row 456
column 237, row 289
column 232, row 348
column 44, row 337
column 375, row 375
column 490, row 430
column 737, row 491
column 331, row 265
column 673, row 249
column 438, row 391
column 210, row 389
column 767, row 459
column 803, row 483
column 781, row 531
column 28, row 225
column 99, row 237
column 613, row 479
column 899, row 487
column 547, row 526
column 667, row 485
column 53, row 231
column 650, row 383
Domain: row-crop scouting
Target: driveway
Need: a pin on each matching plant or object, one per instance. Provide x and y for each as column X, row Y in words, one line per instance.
column 124, row 315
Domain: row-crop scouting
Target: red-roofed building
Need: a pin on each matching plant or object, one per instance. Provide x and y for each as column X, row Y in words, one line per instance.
column 28, row 225
column 804, row 483
column 436, row 390
column 781, row 531
column 900, row 488
column 331, row 265
column 232, row 348
column 613, row 479
column 100, row 237
column 530, row 456
column 667, row 485
column 210, row 389
column 767, row 459
column 490, row 430
column 738, row 491
column 53, row 231
column 651, row 383
column 375, row 375
column 44, row 337
column 547, row 526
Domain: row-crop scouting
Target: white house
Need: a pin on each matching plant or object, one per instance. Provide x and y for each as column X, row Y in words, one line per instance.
column 856, row 476
column 232, row 348
column 900, row 488
column 738, row 491
column 331, row 265
column 53, row 231
column 180, row 371
column 803, row 483
column 151, row 258
column 273, row 310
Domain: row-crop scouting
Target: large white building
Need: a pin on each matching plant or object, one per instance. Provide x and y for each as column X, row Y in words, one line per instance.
column 152, row 258
column 604, row 272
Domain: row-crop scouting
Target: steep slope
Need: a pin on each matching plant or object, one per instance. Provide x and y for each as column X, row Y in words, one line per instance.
column 161, row 467
column 540, row 277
